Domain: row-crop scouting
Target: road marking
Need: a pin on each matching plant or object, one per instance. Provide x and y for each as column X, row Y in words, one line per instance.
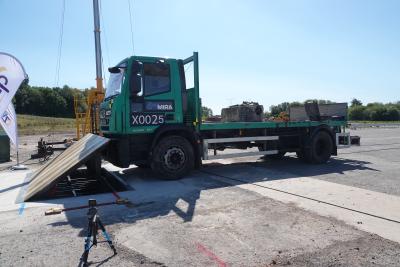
column 211, row 255
column 21, row 208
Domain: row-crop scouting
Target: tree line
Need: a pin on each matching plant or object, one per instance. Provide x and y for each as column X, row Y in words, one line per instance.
column 46, row 101
column 374, row 111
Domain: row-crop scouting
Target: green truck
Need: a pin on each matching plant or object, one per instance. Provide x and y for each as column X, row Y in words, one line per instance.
column 154, row 120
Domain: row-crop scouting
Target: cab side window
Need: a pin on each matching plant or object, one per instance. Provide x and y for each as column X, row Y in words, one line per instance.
column 156, row 78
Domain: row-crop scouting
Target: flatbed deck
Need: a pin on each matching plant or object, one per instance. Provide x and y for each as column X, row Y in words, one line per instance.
column 210, row 126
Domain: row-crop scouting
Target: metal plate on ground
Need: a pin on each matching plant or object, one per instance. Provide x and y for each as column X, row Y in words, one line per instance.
column 68, row 161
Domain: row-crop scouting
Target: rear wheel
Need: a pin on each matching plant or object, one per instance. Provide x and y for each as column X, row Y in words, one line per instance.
column 173, row 157
column 320, row 150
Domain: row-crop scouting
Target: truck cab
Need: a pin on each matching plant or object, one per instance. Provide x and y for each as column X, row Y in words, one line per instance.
column 145, row 97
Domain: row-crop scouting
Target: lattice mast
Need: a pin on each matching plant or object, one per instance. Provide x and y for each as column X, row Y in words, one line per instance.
column 88, row 119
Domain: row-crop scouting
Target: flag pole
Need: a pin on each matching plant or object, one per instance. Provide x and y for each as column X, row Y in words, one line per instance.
column 12, row 76
column 19, row 166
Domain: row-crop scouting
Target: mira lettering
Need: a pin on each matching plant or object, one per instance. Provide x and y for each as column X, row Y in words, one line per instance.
column 3, row 83
column 164, row 107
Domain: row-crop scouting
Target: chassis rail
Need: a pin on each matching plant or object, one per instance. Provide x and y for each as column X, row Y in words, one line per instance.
column 206, row 143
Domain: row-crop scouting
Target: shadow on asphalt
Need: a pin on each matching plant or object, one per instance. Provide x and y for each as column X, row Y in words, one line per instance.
column 298, row 168
column 189, row 189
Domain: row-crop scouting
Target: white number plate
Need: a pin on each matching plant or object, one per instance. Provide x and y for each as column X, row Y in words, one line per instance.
column 138, row 119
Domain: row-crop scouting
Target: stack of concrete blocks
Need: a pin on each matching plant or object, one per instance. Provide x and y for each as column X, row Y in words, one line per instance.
column 245, row 112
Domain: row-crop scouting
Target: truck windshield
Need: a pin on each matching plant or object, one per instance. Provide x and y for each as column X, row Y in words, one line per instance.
column 115, row 82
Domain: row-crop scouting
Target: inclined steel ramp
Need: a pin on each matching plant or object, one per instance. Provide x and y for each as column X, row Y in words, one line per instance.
column 65, row 163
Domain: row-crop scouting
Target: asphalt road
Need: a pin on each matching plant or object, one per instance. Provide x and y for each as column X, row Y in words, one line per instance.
column 375, row 165
column 242, row 212
column 374, row 125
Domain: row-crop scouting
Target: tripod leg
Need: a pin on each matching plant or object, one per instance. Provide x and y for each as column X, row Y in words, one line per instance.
column 106, row 236
column 94, row 230
column 87, row 244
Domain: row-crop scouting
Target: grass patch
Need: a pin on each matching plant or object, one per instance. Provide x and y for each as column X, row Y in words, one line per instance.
column 28, row 124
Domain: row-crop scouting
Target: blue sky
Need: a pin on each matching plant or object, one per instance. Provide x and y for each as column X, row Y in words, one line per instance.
column 265, row 51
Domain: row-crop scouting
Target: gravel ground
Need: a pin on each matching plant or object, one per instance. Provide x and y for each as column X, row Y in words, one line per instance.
column 201, row 221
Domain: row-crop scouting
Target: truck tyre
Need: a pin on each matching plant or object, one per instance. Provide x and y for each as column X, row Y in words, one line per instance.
column 320, row 149
column 173, row 157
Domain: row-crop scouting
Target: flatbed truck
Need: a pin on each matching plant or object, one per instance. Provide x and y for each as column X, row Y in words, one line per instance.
column 153, row 120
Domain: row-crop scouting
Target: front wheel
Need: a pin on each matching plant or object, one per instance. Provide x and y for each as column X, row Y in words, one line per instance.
column 173, row 157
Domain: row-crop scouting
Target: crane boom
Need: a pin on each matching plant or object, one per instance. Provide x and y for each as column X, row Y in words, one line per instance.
column 96, row 17
column 88, row 120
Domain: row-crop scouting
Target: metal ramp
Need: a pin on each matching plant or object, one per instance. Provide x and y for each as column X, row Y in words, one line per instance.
column 65, row 163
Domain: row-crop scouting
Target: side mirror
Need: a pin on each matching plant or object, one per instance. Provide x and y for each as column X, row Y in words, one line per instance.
column 114, row 70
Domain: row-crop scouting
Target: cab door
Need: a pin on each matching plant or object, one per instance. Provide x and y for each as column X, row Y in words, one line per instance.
column 152, row 97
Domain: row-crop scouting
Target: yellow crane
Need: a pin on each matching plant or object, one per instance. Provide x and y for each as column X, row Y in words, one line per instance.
column 87, row 110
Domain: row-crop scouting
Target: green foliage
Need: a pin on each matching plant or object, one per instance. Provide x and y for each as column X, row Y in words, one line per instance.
column 45, row 101
column 357, row 112
column 355, row 102
column 375, row 112
column 206, row 112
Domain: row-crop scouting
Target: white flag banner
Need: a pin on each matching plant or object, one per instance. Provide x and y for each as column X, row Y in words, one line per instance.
column 12, row 74
column 9, row 123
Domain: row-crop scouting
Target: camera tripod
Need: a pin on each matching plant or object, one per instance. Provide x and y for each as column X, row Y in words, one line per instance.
column 93, row 226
